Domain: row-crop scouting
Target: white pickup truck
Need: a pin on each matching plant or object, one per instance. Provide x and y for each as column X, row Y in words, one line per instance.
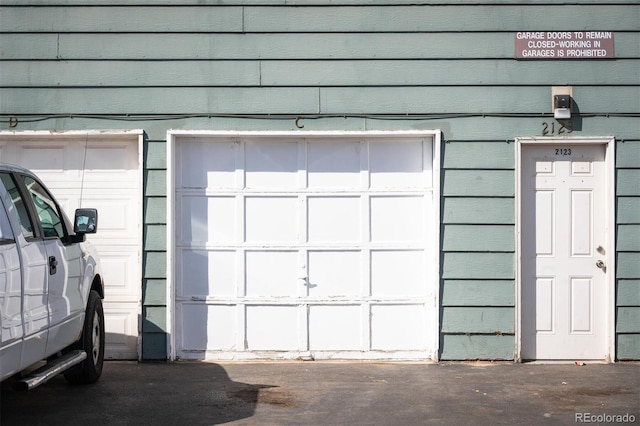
column 51, row 287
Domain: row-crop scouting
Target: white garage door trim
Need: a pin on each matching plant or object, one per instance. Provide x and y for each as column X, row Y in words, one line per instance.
column 120, row 225
column 430, row 139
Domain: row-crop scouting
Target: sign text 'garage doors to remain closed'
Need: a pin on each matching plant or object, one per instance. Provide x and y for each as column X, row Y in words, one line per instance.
column 564, row 45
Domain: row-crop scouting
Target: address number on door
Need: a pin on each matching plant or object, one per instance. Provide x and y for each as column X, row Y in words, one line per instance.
column 563, row 151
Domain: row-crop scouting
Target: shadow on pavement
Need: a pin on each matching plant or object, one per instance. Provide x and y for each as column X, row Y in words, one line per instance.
column 132, row 393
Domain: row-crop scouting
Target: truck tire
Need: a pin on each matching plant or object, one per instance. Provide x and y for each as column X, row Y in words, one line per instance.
column 92, row 342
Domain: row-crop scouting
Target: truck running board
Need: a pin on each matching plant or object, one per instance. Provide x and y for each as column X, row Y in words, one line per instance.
column 50, row 369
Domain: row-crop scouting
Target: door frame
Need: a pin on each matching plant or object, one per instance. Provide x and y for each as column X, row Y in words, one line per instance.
column 610, row 215
column 173, row 137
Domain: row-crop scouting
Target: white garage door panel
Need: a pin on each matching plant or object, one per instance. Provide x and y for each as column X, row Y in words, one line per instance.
column 335, row 219
column 102, row 172
column 116, row 213
column 271, row 164
column 271, row 219
column 112, row 157
column 209, row 219
column 53, row 157
column 398, row 273
column 273, row 328
column 395, row 327
column 208, row 327
column 121, row 324
column 397, row 218
column 208, row 272
column 60, row 154
column 334, row 164
column 290, row 247
column 406, row 167
column 118, row 265
column 335, row 273
column 271, row 273
column 209, row 165
column 336, row 328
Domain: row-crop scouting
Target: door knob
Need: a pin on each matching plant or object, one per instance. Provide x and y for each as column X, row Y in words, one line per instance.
column 600, row 264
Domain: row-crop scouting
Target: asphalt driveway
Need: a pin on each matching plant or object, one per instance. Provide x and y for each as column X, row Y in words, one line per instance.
column 333, row 393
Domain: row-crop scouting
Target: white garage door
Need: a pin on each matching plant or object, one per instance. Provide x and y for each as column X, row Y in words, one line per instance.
column 293, row 246
column 100, row 170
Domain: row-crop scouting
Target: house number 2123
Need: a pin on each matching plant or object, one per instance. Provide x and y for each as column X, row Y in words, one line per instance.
column 559, row 128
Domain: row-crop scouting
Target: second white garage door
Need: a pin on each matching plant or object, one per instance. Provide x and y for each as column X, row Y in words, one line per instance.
column 294, row 245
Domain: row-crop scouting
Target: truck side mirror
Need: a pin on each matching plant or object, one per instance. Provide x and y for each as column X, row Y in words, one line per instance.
column 86, row 221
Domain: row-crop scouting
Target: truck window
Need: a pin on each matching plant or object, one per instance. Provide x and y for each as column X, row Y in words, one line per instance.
column 6, row 235
column 18, row 204
column 46, row 208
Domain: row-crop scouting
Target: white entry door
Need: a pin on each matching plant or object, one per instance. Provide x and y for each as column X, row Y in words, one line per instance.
column 99, row 170
column 290, row 246
column 564, row 245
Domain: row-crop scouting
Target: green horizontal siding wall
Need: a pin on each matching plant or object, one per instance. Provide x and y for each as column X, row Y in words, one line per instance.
column 413, row 47
column 354, row 58
column 305, row 100
column 347, row 65
column 478, row 245
column 154, row 282
column 274, row 73
column 628, row 250
column 314, row 19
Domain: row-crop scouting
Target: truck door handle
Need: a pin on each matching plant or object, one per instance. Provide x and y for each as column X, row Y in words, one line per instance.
column 53, row 265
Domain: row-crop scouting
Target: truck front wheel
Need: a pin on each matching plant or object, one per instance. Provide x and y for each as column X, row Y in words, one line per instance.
column 92, row 342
